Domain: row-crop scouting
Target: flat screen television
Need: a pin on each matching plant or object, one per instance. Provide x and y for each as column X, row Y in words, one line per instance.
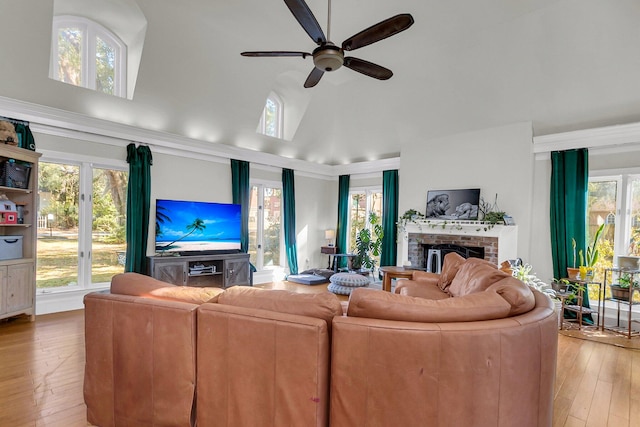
column 189, row 227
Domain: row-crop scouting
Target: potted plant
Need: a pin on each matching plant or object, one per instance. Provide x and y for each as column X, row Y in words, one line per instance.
column 620, row 290
column 523, row 273
column 368, row 245
column 573, row 271
column 411, row 215
column 592, row 255
column 559, row 285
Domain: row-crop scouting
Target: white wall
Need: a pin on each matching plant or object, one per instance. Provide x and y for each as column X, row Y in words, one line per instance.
column 316, row 211
column 498, row 160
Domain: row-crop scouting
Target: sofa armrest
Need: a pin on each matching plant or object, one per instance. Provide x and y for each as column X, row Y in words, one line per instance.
column 425, row 276
column 140, row 360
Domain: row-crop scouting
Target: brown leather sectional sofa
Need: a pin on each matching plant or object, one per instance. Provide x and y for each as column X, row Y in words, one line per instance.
column 159, row 355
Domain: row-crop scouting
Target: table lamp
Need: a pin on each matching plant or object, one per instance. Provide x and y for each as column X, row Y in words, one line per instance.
column 329, row 235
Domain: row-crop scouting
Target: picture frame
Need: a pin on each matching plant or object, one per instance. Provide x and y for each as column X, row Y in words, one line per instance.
column 453, row 204
column 508, row 220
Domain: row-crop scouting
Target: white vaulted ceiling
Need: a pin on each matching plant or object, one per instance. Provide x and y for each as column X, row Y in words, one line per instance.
column 464, row 65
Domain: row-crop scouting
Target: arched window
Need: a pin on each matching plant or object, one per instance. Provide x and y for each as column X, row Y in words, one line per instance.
column 84, row 53
column 272, row 117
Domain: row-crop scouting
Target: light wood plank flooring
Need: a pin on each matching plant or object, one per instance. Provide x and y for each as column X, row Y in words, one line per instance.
column 41, row 373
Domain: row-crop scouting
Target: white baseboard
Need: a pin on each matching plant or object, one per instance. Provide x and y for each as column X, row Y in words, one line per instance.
column 55, row 302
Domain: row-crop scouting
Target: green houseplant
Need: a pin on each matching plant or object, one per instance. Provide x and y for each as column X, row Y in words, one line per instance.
column 573, row 271
column 368, row 244
column 620, row 290
column 592, row 255
column 523, row 272
column 410, row 215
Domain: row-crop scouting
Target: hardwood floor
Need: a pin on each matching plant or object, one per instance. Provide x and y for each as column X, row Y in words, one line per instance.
column 41, row 371
column 41, row 374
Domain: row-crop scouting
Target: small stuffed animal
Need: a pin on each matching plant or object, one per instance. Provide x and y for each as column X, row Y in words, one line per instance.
column 8, row 133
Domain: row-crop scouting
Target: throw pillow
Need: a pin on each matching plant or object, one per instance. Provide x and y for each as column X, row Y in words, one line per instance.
column 349, row 279
column 321, row 305
column 475, row 275
column 452, row 262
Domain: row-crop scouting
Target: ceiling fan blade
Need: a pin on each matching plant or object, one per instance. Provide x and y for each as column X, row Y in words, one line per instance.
column 379, row 31
column 276, row 53
column 368, row 68
column 306, row 19
column 314, row 77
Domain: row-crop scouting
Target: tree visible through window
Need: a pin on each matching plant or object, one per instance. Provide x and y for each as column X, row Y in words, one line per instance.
column 81, row 224
column 265, row 230
column 86, row 54
column 271, row 120
column 361, row 204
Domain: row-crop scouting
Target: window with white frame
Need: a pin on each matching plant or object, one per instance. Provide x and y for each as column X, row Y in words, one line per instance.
column 84, row 53
column 81, row 223
column 362, row 202
column 265, row 225
column 271, row 121
column 614, row 200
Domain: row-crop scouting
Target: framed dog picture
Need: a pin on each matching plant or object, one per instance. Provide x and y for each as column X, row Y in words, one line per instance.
column 453, row 204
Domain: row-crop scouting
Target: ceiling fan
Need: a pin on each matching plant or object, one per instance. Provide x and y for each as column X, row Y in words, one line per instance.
column 329, row 57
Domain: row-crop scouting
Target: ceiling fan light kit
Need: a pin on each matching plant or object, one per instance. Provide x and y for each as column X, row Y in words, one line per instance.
column 327, row 56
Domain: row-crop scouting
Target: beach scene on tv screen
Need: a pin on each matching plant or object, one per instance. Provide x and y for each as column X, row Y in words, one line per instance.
column 183, row 226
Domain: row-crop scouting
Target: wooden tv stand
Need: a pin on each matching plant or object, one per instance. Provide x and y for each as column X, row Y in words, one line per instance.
column 221, row 270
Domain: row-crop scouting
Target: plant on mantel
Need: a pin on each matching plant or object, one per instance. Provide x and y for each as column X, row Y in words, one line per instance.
column 491, row 217
column 491, row 214
column 411, row 215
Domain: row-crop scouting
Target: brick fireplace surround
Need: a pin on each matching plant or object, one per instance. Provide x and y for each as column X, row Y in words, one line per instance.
column 500, row 242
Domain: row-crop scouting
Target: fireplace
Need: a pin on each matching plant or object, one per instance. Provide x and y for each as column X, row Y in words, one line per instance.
column 497, row 243
column 434, row 254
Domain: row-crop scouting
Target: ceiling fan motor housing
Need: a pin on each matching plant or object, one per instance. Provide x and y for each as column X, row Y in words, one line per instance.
column 328, row 57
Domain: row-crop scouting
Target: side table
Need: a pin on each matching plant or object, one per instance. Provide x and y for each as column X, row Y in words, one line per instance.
column 391, row 272
column 578, row 307
column 329, row 250
column 609, row 279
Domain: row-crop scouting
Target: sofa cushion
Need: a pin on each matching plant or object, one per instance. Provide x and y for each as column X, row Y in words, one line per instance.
column 136, row 284
column 319, row 305
column 475, row 275
column 370, row 303
column 188, row 294
column 516, row 293
column 349, row 279
column 450, row 266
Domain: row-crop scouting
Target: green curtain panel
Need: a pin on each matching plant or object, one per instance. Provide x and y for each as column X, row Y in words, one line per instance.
column 289, row 219
column 342, row 228
column 569, row 191
column 240, row 188
column 138, row 204
column 569, row 194
column 389, row 255
column 25, row 137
